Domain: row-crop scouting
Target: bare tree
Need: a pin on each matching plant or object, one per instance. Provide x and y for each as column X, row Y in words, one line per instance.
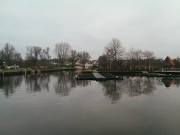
column 62, row 51
column 138, row 56
column 33, row 52
column 44, row 54
column 73, row 57
column 85, row 56
column 44, row 58
column 47, row 53
column 1, row 60
column 29, row 53
column 36, row 52
column 130, row 55
column 148, row 55
column 114, row 50
column 10, row 56
column 33, row 55
column 7, row 53
column 79, row 56
column 18, row 59
column 102, row 61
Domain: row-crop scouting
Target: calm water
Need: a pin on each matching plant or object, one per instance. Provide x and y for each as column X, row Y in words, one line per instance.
column 56, row 104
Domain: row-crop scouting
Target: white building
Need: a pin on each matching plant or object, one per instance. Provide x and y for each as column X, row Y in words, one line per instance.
column 88, row 65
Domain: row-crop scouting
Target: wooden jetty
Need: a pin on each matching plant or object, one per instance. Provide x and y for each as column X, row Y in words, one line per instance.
column 97, row 76
column 160, row 74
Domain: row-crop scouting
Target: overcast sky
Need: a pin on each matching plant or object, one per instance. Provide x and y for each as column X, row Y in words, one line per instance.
column 88, row 25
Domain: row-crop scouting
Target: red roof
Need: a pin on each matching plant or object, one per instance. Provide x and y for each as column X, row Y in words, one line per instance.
column 170, row 60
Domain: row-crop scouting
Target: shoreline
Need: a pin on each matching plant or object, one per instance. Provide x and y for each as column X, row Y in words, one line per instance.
column 134, row 73
column 18, row 72
column 138, row 73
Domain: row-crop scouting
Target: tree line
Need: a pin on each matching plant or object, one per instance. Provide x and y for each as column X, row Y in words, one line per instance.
column 37, row 57
column 114, row 57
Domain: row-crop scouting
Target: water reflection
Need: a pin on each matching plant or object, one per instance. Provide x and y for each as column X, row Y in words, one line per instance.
column 133, row 86
column 113, row 89
column 66, row 81
column 83, row 83
column 36, row 83
column 63, row 82
column 9, row 84
column 177, row 82
column 140, row 85
column 168, row 82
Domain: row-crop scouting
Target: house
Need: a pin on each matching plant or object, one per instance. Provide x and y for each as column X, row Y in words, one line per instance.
column 168, row 63
column 88, row 65
column 78, row 64
column 13, row 67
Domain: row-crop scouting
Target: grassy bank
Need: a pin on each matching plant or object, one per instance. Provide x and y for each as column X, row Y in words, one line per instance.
column 20, row 72
column 122, row 73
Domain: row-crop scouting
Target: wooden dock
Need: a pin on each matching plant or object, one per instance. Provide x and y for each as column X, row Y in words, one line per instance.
column 97, row 76
column 163, row 74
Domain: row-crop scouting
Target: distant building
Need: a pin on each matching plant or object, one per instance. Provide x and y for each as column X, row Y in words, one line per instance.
column 88, row 65
column 13, row 67
column 168, row 63
column 78, row 64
